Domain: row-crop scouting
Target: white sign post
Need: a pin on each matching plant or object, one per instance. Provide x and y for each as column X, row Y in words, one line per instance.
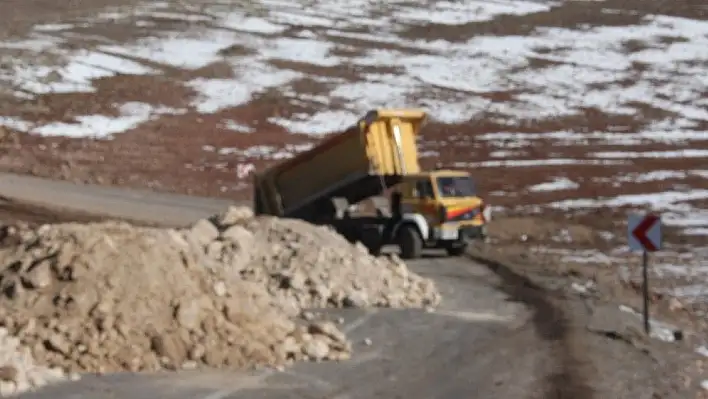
column 644, row 234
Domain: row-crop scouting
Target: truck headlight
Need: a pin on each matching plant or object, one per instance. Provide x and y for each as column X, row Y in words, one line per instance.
column 487, row 213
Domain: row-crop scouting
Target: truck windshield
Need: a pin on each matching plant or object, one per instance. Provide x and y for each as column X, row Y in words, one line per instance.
column 456, row 186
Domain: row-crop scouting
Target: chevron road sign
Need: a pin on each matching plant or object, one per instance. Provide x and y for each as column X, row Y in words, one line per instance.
column 644, row 232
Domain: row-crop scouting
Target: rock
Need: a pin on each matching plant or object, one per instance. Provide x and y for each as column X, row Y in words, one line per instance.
column 39, row 276
column 190, row 365
column 215, row 358
column 168, row 347
column 290, row 347
column 189, row 314
column 316, row 349
column 340, row 355
column 237, row 234
column 675, row 305
column 8, row 373
column 233, row 215
column 7, row 388
column 295, row 281
column 57, row 343
column 356, row 299
column 220, row 289
column 197, row 352
column 215, row 249
column 203, row 232
column 328, row 329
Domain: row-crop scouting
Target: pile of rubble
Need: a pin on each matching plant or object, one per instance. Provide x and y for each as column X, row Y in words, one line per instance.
column 223, row 293
column 305, row 266
column 19, row 372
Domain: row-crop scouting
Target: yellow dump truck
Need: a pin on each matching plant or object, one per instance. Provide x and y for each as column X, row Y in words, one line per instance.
column 376, row 160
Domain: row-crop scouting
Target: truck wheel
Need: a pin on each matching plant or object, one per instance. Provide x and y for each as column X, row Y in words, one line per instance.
column 456, row 249
column 410, row 242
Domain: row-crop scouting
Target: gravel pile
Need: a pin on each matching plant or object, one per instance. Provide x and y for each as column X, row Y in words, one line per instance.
column 225, row 292
column 306, row 266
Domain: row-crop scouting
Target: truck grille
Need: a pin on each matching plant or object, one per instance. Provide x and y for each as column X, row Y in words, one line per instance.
column 462, row 214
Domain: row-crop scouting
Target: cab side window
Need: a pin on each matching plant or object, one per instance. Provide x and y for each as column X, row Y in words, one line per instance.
column 424, row 189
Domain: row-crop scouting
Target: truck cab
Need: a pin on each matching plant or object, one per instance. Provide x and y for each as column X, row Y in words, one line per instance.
column 442, row 207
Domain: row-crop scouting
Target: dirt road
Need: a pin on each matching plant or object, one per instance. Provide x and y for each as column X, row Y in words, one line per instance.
column 140, row 205
column 496, row 334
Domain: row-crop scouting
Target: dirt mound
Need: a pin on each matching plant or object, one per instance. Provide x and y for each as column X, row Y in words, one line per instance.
column 306, row 266
column 111, row 296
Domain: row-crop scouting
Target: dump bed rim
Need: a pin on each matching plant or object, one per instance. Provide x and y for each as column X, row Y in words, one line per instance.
column 369, row 118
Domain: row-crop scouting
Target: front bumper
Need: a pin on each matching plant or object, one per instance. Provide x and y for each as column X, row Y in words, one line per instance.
column 473, row 232
column 459, row 233
column 473, row 227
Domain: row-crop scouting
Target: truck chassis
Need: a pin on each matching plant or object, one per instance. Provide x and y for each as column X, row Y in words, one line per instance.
column 393, row 228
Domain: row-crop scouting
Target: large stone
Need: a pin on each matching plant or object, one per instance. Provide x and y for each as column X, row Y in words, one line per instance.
column 316, row 349
column 39, row 275
column 237, row 234
column 58, row 343
column 8, row 373
column 233, row 215
column 327, row 329
column 203, row 232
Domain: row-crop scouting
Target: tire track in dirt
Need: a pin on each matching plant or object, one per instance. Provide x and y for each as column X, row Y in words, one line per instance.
column 566, row 380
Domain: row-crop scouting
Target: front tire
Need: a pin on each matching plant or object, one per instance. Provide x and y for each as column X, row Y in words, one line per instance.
column 410, row 241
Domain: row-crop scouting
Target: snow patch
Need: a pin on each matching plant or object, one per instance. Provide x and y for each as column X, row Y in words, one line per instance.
column 454, row 13
column 251, row 24
column 177, row 50
column 130, row 116
column 217, row 94
column 659, row 330
column 675, row 212
column 321, row 124
column 77, row 75
column 687, row 153
column 560, row 183
column 237, row 127
column 535, row 162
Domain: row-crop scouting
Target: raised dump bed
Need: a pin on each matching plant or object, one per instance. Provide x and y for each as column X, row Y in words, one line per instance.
column 358, row 163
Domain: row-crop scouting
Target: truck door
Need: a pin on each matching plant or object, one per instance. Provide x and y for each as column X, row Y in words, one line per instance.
column 418, row 197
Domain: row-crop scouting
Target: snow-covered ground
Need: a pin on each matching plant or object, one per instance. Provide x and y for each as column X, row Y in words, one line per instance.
column 582, row 68
column 330, row 61
column 682, row 276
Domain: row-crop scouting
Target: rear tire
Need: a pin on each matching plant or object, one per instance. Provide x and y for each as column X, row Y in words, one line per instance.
column 410, row 241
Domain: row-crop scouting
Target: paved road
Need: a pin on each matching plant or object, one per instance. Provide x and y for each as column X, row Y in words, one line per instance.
column 143, row 205
column 464, row 349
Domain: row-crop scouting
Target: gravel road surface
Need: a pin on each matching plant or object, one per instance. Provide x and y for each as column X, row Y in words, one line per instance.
column 140, row 205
